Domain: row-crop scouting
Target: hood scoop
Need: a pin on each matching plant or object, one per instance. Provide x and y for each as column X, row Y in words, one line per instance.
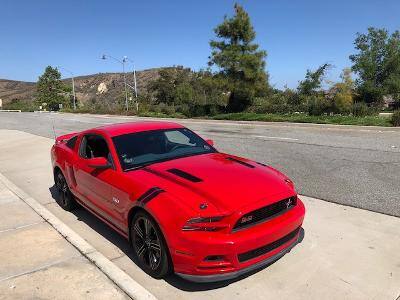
column 240, row 162
column 185, row 175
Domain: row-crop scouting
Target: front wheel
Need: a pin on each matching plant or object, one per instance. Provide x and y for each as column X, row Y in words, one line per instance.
column 149, row 246
column 65, row 198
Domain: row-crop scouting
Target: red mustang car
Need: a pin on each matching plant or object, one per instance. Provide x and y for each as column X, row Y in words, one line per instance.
column 184, row 206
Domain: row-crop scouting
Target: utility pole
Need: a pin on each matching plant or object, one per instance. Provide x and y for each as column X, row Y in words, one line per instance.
column 73, row 84
column 134, row 74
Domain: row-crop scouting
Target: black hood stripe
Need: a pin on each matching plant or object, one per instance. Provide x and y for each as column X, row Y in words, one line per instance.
column 185, row 175
column 149, row 195
column 240, row 162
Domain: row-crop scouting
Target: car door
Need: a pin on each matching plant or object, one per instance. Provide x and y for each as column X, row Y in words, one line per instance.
column 95, row 184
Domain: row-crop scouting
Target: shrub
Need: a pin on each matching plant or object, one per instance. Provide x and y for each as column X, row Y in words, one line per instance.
column 317, row 105
column 168, row 109
column 396, row 118
column 275, row 103
column 343, row 102
column 360, row 109
column 183, row 109
column 21, row 105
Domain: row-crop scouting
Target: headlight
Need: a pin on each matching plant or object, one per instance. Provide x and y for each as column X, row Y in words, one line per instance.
column 205, row 224
column 290, row 183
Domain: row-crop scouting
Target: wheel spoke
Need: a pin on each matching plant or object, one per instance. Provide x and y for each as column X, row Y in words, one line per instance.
column 138, row 230
column 152, row 261
column 141, row 251
column 58, row 184
column 147, row 227
column 155, row 246
column 64, row 186
column 146, row 243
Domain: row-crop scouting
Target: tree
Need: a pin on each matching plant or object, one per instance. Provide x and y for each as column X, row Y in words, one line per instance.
column 165, row 87
column 50, row 89
column 239, row 60
column 377, row 64
column 313, row 80
column 194, row 93
column 309, row 91
column 343, row 92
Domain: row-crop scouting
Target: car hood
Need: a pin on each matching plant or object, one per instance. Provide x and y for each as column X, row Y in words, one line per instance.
column 225, row 181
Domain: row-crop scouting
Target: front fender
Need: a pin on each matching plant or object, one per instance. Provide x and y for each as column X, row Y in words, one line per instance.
column 169, row 212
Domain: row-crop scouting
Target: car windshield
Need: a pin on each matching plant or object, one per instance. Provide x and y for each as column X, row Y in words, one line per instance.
column 136, row 150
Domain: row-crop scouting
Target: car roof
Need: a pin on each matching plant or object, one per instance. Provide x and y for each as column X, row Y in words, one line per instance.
column 133, row 127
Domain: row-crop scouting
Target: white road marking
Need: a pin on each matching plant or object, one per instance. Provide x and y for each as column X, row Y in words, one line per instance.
column 89, row 122
column 274, row 137
column 206, row 133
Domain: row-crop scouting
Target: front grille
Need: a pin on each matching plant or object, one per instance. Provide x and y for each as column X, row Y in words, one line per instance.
column 264, row 213
column 267, row 248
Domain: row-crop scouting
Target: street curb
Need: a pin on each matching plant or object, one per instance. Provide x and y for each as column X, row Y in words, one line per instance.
column 132, row 288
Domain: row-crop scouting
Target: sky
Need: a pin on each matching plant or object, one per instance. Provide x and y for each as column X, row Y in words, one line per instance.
column 297, row 35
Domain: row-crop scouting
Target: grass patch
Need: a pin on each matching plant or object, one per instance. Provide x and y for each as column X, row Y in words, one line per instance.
column 19, row 105
column 303, row 118
column 246, row 116
column 123, row 113
column 161, row 115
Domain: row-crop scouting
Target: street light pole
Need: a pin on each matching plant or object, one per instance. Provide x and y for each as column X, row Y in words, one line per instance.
column 134, row 74
column 123, row 61
column 126, row 92
column 73, row 84
column 134, row 80
column 73, row 92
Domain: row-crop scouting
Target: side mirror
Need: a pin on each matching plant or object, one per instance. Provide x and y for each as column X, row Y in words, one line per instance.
column 100, row 163
column 210, row 142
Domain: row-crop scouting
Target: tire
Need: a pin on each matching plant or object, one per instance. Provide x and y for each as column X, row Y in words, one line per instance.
column 149, row 246
column 65, row 198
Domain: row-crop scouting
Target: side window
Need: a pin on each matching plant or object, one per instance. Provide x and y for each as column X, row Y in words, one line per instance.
column 177, row 137
column 71, row 142
column 94, row 146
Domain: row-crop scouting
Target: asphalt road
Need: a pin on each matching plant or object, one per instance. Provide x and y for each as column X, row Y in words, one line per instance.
column 356, row 166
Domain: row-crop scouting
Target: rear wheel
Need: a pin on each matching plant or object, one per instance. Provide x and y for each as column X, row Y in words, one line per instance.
column 149, row 246
column 65, row 198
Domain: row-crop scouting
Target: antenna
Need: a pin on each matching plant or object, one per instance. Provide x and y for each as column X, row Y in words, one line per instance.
column 54, row 131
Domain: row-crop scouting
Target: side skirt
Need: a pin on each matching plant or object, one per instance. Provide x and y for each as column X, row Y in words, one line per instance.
column 110, row 224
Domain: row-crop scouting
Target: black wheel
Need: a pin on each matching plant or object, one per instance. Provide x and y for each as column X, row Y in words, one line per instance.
column 149, row 246
column 65, row 198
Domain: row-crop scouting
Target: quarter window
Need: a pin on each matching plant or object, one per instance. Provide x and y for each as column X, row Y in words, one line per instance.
column 71, row 142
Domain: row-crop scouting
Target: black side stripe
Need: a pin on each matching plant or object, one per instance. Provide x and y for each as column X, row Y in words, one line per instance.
column 149, row 195
column 240, row 162
column 185, row 175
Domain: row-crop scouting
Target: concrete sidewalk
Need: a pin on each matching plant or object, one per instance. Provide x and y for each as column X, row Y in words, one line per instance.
column 36, row 262
column 347, row 253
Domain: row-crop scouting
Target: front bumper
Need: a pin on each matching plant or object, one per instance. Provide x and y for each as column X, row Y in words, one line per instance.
column 239, row 252
column 235, row 274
